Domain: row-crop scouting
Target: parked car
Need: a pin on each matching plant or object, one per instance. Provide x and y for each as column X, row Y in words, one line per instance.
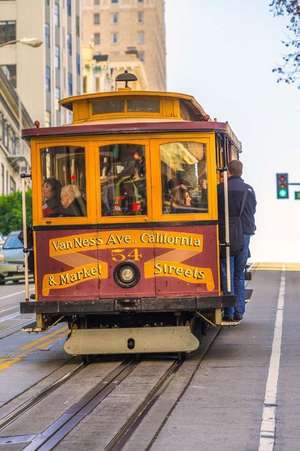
column 2, row 239
column 12, row 259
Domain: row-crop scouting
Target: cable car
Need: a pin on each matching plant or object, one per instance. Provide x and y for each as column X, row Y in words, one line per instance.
column 125, row 221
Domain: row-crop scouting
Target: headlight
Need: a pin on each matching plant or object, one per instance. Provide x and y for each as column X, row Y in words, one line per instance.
column 126, row 275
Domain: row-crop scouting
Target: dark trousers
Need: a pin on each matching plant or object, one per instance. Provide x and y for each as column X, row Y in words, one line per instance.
column 237, row 270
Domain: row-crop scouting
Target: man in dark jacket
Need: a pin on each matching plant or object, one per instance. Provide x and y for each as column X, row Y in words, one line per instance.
column 237, row 189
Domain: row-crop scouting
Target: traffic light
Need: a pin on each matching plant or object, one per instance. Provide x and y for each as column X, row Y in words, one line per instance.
column 282, row 183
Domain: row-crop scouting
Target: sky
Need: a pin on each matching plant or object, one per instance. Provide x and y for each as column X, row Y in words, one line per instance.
column 222, row 52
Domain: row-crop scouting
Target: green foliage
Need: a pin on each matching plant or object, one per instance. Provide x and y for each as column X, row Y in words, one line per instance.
column 289, row 70
column 11, row 211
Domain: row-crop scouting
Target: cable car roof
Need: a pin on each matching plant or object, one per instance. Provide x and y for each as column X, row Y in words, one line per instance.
column 131, row 112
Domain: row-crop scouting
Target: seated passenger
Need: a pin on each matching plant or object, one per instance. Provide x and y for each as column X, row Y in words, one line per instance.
column 72, row 203
column 131, row 186
column 134, row 167
column 181, row 197
column 51, row 197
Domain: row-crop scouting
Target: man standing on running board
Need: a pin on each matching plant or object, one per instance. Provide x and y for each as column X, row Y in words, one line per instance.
column 242, row 202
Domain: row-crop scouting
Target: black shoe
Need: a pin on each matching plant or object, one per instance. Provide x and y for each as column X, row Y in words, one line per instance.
column 227, row 319
column 238, row 317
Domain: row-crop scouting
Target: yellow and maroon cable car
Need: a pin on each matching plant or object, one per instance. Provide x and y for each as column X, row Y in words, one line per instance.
column 125, row 221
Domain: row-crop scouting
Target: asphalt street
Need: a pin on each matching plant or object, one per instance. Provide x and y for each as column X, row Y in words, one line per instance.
column 223, row 407
column 226, row 405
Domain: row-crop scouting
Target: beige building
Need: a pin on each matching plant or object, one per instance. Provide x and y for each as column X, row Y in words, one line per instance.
column 118, row 28
column 14, row 153
column 42, row 75
column 100, row 71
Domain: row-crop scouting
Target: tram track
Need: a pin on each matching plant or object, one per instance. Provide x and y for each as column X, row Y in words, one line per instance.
column 15, row 329
column 25, row 406
column 131, row 425
column 54, row 433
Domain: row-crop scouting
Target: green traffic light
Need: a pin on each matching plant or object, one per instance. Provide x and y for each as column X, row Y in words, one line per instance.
column 283, row 193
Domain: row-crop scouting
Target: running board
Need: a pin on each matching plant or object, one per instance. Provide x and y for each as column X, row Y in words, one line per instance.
column 230, row 323
column 131, row 340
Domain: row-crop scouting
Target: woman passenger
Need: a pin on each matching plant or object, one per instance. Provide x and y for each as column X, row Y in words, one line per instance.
column 51, row 196
column 72, row 203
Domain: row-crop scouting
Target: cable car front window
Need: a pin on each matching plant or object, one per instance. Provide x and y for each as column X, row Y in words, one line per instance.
column 184, row 178
column 63, row 181
column 123, row 180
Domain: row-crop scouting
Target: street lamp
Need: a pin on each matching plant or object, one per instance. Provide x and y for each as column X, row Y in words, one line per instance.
column 32, row 42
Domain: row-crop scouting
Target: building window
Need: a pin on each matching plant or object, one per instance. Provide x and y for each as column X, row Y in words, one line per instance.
column 7, row 31
column 84, row 84
column 70, row 84
column 97, row 38
column 78, row 64
column 96, row 19
column 47, row 35
column 57, row 57
column 2, row 179
column 140, row 16
column 141, row 37
column 142, row 56
column 56, row 14
column 77, row 26
column 57, row 98
column 48, row 78
column 115, row 38
column 47, row 119
column 140, row 1
column 69, row 7
column 115, row 18
column 13, row 186
column 10, row 71
column 69, row 43
column 57, row 93
column 114, row 1
column 96, row 2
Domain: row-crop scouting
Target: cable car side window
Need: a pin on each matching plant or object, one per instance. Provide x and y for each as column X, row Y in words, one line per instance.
column 63, row 181
column 123, row 180
column 184, row 178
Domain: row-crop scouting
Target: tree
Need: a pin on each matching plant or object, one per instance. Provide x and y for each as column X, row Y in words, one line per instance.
column 289, row 70
column 11, row 211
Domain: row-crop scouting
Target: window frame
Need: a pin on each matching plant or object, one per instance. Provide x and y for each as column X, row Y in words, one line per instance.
column 9, row 28
column 211, row 214
column 37, row 178
column 153, row 178
column 130, row 114
column 97, row 18
column 125, row 219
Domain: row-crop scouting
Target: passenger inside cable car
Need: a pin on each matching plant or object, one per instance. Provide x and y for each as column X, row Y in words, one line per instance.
column 51, row 197
column 64, row 187
column 123, row 182
column 184, row 177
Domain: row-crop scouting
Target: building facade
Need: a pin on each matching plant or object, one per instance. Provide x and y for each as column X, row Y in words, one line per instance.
column 42, row 75
column 100, row 71
column 118, row 28
column 14, row 153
